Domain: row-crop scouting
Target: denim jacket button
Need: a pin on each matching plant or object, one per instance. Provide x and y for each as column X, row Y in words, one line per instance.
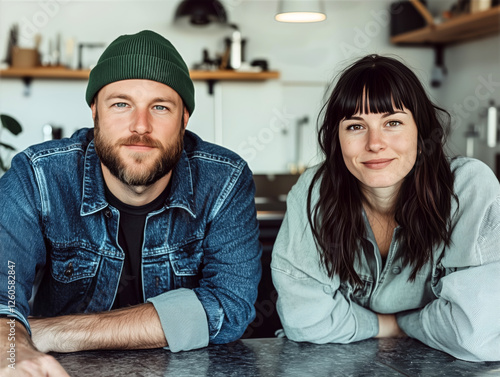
column 69, row 270
column 396, row 270
column 108, row 213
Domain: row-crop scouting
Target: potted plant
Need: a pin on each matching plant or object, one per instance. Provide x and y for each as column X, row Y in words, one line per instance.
column 15, row 128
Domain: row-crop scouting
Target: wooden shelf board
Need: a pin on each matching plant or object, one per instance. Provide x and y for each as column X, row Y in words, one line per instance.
column 45, row 72
column 64, row 73
column 458, row 29
column 234, row 75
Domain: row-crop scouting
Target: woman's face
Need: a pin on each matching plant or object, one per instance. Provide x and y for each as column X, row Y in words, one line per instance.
column 379, row 149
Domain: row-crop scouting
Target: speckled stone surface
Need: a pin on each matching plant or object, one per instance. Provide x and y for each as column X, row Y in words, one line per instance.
column 279, row 357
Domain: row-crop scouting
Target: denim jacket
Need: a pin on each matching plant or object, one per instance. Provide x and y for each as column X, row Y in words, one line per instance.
column 453, row 304
column 200, row 256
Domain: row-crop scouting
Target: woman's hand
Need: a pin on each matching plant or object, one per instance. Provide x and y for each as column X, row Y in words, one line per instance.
column 388, row 327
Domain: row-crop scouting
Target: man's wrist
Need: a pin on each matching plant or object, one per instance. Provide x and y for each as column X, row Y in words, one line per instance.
column 14, row 342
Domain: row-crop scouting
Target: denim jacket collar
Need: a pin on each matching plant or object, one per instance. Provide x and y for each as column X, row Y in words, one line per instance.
column 94, row 199
column 182, row 192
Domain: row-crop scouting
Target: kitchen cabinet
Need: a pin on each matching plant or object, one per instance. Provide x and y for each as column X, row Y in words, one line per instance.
column 456, row 30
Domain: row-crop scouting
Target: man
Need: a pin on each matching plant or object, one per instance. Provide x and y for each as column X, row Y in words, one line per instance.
column 137, row 223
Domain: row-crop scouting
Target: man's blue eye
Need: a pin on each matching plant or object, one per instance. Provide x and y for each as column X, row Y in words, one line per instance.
column 160, row 107
column 120, row 104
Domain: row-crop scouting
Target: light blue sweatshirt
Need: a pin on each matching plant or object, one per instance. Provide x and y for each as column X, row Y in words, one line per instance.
column 453, row 305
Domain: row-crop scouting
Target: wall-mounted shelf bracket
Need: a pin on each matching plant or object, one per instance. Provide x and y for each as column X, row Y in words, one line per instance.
column 211, row 84
column 27, row 85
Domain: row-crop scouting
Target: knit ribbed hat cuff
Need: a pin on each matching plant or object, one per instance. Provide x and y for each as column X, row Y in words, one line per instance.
column 140, row 67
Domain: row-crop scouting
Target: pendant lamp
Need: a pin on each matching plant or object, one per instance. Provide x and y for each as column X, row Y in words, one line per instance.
column 300, row 11
column 201, row 12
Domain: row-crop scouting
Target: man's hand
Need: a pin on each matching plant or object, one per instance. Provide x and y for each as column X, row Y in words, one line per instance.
column 388, row 327
column 136, row 327
column 26, row 360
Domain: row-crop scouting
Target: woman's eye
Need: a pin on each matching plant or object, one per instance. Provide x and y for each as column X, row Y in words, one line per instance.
column 354, row 127
column 394, row 123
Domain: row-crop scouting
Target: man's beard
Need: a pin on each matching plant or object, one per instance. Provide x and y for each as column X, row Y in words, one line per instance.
column 132, row 176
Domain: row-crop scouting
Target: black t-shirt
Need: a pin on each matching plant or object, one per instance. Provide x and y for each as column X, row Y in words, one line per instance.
column 130, row 239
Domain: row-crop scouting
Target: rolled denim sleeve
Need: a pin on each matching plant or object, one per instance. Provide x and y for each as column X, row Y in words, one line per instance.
column 221, row 308
column 232, row 252
column 183, row 319
column 310, row 305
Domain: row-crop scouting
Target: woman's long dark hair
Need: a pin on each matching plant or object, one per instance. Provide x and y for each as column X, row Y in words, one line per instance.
column 423, row 205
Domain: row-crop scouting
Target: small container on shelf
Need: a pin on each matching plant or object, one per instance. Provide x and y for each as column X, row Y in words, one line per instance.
column 25, row 57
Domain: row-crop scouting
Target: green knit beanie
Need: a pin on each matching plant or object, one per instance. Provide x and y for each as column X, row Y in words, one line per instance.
column 145, row 55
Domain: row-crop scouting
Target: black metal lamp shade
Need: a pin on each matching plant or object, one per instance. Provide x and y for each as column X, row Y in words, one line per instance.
column 201, row 12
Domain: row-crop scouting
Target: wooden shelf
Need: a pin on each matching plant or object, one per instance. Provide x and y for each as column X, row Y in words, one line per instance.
column 45, row 73
column 64, row 73
column 234, row 75
column 456, row 30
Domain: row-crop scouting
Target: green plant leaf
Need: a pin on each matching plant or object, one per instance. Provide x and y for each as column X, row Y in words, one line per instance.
column 11, row 124
column 7, row 146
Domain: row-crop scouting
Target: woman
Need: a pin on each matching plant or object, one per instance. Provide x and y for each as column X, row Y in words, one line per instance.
column 387, row 237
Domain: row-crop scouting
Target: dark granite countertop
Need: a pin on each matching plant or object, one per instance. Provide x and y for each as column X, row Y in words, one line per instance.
column 279, row 357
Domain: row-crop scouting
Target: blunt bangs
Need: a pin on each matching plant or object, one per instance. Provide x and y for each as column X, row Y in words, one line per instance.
column 375, row 88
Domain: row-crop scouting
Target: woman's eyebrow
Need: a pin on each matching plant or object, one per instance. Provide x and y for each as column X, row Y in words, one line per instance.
column 385, row 115
column 395, row 112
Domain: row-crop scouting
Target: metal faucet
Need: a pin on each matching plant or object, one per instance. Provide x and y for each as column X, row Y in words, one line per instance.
column 298, row 167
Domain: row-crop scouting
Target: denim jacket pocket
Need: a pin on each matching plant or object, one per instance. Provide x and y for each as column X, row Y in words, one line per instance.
column 73, row 264
column 186, row 265
column 359, row 295
column 68, row 284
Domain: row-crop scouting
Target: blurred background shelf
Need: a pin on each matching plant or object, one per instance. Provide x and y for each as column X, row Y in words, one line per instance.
column 45, row 73
column 456, row 30
column 64, row 73
column 234, row 75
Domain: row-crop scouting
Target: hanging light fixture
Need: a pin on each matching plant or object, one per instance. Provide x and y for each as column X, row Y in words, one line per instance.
column 201, row 12
column 300, row 11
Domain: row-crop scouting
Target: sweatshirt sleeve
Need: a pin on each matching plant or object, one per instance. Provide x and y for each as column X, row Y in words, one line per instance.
column 464, row 320
column 310, row 305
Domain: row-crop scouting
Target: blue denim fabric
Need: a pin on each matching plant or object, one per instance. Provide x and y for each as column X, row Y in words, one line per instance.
column 200, row 258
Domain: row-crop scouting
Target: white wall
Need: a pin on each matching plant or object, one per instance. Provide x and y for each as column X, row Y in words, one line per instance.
column 473, row 81
column 258, row 119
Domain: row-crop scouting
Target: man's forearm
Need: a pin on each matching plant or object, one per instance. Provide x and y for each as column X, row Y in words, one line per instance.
column 136, row 327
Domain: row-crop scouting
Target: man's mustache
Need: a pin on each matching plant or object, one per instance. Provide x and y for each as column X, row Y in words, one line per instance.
column 140, row 140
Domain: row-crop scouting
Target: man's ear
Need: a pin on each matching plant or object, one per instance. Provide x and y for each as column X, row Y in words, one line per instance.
column 185, row 117
column 93, row 107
